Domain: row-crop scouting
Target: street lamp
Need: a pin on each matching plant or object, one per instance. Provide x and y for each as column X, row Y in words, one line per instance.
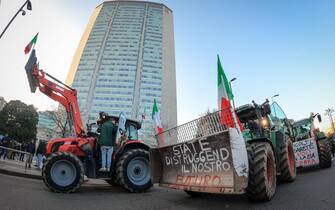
column 232, row 80
column 274, row 96
column 23, row 12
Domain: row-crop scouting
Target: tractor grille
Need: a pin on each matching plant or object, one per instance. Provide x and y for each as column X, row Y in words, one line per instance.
column 207, row 125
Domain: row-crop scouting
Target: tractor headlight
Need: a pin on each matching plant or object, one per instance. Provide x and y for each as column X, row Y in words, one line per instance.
column 264, row 122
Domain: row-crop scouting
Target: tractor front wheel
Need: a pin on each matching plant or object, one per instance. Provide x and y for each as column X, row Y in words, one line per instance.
column 133, row 170
column 63, row 172
column 287, row 165
column 262, row 172
column 325, row 154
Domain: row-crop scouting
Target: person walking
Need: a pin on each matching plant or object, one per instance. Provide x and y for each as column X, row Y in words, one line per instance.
column 23, row 148
column 31, row 150
column 107, row 138
column 40, row 153
column 5, row 143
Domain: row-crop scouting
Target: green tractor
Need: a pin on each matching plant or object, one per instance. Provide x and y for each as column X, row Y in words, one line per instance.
column 270, row 125
column 310, row 144
column 206, row 155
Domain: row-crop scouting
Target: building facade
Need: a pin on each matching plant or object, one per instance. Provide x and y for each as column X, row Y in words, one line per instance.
column 46, row 126
column 124, row 61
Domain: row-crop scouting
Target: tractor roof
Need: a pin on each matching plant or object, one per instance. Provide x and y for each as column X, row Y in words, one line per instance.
column 246, row 112
column 129, row 121
column 301, row 122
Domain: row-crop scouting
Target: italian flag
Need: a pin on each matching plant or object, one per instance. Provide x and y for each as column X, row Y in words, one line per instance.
column 225, row 95
column 156, row 118
column 30, row 45
column 157, row 121
column 230, row 119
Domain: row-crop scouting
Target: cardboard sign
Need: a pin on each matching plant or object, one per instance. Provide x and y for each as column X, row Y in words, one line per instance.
column 306, row 153
column 204, row 163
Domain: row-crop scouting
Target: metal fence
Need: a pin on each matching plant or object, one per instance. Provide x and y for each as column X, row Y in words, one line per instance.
column 27, row 156
column 204, row 126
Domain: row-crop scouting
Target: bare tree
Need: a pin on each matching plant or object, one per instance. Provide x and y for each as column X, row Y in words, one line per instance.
column 59, row 116
column 329, row 112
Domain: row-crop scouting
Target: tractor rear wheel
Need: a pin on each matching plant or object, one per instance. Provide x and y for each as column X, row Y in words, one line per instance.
column 287, row 165
column 325, row 155
column 63, row 172
column 133, row 170
column 262, row 172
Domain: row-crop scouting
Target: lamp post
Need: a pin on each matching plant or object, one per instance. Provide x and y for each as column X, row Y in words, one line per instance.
column 23, row 12
column 232, row 80
column 274, row 96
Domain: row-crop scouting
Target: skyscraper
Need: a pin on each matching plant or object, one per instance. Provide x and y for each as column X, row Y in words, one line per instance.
column 124, row 61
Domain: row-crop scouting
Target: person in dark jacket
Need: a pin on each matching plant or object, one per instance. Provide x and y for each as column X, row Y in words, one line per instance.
column 31, row 150
column 5, row 143
column 107, row 138
column 40, row 153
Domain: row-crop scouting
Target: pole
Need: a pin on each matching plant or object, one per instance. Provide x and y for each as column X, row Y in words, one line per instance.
column 21, row 9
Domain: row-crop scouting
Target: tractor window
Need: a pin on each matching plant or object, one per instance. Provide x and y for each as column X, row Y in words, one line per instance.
column 132, row 132
column 277, row 114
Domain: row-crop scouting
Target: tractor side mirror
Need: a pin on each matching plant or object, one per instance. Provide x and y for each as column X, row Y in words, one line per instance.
column 319, row 118
column 267, row 109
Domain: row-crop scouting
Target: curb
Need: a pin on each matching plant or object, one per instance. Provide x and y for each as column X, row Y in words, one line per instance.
column 24, row 175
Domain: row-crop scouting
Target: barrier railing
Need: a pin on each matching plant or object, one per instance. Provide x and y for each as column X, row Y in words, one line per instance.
column 201, row 127
column 27, row 156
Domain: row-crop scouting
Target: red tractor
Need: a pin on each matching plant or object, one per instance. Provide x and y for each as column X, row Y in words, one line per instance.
column 69, row 159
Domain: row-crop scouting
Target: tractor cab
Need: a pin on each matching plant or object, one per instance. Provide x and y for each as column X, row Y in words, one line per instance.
column 255, row 119
column 305, row 128
column 128, row 131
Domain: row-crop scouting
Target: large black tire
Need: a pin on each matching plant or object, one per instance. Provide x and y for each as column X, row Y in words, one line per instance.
column 133, row 171
column 287, row 165
column 325, row 155
column 63, row 172
column 262, row 172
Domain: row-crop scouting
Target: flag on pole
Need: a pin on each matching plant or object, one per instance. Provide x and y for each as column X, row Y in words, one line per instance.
column 30, row 45
column 225, row 95
column 157, row 121
column 156, row 118
column 230, row 119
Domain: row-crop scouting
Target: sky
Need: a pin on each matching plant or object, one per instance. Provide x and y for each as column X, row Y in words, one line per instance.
column 272, row 47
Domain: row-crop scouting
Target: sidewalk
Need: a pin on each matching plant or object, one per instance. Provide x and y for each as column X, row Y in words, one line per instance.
column 16, row 168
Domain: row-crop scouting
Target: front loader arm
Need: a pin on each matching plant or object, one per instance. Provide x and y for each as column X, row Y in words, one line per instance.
column 55, row 90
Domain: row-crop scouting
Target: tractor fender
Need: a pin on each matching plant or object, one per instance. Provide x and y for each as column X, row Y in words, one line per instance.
column 130, row 144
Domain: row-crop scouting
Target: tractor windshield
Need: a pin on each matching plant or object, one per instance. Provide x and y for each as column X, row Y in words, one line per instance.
column 277, row 113
column 302, row 128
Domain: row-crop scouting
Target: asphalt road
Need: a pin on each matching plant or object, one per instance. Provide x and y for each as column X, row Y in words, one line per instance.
column 313, row 189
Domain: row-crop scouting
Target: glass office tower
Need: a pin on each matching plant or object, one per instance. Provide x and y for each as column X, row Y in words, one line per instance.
column 124, row 61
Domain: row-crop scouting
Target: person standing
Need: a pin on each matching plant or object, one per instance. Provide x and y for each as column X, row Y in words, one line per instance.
column 5, row 143
column 31, row 150
column 40, row 153
column 24, row 149
column 107, row 138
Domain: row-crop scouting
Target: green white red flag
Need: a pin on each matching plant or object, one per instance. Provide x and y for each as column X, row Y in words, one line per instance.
column 156, row 118
column 30, row 45
column 225, row 95
column 230, row 119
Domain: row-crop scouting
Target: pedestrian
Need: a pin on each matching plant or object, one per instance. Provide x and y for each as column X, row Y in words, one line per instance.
column 107, row 138
column 31, row 150
column 5, row 143
column 40, row 153
column 23, row 148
